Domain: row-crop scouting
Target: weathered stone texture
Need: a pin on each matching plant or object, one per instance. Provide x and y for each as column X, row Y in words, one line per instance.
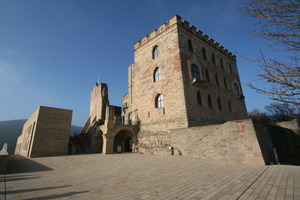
column 45, row 133
column 181, row 108
column 234, row 141
column 99, row 101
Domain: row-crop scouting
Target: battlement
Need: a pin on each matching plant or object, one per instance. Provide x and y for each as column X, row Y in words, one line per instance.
column 186, row 25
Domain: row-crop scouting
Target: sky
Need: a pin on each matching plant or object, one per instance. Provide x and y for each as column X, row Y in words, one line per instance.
column 53, row 52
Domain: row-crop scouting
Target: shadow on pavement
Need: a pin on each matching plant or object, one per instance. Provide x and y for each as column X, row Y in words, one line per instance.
column 11, row 178
column 34, row 189
column 55, row 196
column 20, row 164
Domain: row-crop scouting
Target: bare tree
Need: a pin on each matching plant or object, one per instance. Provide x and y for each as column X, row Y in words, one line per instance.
column 278, row 22
column 282, row 111
column 256, row 114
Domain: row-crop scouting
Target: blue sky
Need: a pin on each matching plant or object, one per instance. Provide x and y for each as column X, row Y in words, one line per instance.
column 52, row 52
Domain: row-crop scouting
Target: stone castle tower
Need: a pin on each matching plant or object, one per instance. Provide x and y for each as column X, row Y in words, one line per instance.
column 181, row 78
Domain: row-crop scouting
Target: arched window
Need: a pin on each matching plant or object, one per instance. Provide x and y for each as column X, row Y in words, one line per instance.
column 229, row 106
column 195, row 71
column 209, row 101
column 207, row 76
column 219, row 104
column 236, row 89
column 204, row 54
column 157, row 74
column 159, row 101
column 213, row 58
column 155, row 52
column 190, row 46
column 217, row 79
column 199, row 99
column 225, row 83
column 221, row 62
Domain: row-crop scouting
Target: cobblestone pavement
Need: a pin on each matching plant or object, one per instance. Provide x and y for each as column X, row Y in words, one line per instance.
column 134, row 176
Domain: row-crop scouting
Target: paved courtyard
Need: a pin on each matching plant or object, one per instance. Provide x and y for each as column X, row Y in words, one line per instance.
column 134, row 176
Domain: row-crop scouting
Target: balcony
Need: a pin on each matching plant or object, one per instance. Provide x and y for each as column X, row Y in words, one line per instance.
column 198, row 82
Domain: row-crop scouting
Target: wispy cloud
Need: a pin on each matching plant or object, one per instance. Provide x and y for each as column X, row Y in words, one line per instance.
column 18, row 89
column 12, row 77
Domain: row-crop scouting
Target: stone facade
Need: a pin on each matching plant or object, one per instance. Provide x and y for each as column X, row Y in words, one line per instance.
column 213, row 97
column 45, row 133
column 105, row 130
column 184, row 97
column 241, row 141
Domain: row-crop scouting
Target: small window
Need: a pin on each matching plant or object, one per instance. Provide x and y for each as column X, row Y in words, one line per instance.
column 219, row 104
column 159, row 101
column 217, row 79
column 209, row 101
column 230, row 68
column 155, row 53
column 225, row 83
column 221, row 62
column 190, row 46
column 195, row 71
column 207, row 76
column 213, row 58
column 204, row 54
column 157, row 74
column 199, row 99
column 236, row 89
column 229, row 106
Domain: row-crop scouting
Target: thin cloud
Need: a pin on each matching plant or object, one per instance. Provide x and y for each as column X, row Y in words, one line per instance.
column 17, row 87
column 11, row 77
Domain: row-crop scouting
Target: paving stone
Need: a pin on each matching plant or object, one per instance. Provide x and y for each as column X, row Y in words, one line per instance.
column 135, row 176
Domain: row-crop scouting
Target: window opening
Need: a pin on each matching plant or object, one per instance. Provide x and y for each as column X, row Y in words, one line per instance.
column 207, row 75
column 209, row 101
column 157, row 74
column 229, row 106
column 199, row 100
column 217, row 79
column 159, row 102
column 236, row 89
column 213, row 58
column 225, row 83
column 190, row 46
column 195, row 71
column 230, row 68
column 221, row 61
column 204, row 53
column 219, row 104
column 156, row 52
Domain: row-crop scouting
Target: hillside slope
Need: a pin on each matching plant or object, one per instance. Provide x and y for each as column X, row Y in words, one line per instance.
column 11, row 129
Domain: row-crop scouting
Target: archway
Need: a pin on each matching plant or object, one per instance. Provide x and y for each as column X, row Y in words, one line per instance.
column 123, row 141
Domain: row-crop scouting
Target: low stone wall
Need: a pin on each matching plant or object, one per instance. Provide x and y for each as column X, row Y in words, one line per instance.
column 293, row 125
column 234, row 141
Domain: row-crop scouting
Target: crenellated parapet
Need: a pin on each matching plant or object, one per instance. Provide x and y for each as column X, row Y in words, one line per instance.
column 186, row 25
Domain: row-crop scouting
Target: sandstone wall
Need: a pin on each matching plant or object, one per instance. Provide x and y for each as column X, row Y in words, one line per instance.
column 46, row 133
column 98, row 102
column 234, row 141
column 181, row 108
column 214, row 74
column 144, row 89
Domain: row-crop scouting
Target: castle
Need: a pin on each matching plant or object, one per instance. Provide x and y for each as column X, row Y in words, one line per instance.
column 184, row 98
